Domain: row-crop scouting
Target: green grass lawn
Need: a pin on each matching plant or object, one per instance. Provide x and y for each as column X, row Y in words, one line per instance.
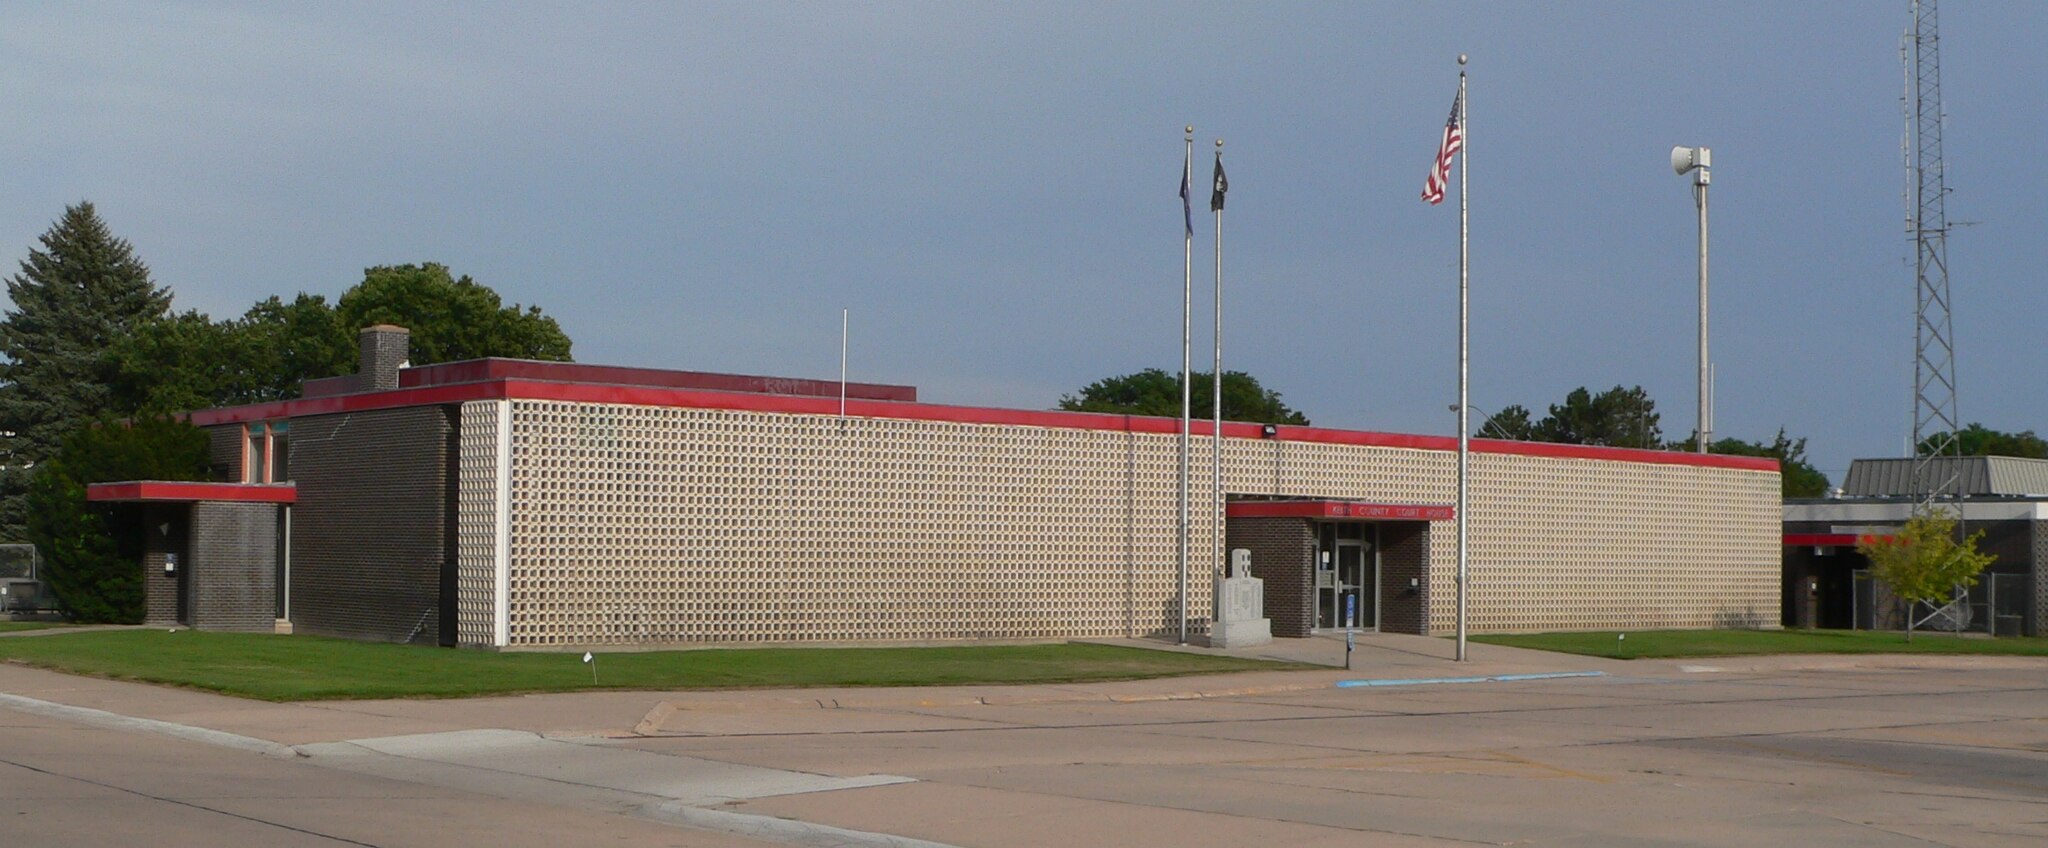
column 295, row 668
column 1728, row 643
column 6, row 626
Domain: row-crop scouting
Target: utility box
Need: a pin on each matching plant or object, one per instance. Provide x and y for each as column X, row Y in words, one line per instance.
column 20, row 595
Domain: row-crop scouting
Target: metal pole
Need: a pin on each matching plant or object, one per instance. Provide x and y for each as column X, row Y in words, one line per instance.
column 842, row 363
column 1187, row 288
column 1216, row 433
column 1464, row 358
column 1706, row 434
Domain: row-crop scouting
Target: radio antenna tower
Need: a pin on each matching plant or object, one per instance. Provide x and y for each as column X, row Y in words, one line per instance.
column 1934, row 353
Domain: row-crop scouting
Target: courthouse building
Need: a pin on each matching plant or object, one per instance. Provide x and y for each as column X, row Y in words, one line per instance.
column 530, row 505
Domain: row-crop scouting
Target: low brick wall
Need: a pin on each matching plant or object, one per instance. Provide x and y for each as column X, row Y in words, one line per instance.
column 233, row 577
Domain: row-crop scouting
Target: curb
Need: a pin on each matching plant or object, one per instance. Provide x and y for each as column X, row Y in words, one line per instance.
column 116, row 721
column 772, row 829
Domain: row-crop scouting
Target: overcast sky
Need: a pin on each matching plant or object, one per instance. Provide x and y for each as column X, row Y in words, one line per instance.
column 992, row 189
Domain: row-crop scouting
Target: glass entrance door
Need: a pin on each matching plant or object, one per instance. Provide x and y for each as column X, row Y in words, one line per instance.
column 1347, row 577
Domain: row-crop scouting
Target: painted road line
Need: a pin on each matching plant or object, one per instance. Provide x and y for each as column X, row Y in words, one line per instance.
column 1491, row 678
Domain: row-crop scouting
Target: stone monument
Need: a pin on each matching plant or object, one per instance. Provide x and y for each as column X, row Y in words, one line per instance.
column 1241, row 620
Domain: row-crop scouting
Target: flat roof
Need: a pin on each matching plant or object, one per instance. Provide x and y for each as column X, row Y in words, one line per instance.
column 500, row 384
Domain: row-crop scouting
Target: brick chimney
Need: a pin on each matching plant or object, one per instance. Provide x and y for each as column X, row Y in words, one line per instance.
column 382, row 348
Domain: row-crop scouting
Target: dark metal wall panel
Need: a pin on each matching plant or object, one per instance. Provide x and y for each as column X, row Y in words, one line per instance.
column 2015, row 476
column 1894, row 477
column 1979, row 475
column 369, row 533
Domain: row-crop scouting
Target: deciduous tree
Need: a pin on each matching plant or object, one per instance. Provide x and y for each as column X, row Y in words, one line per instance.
column 1979, row 440
column 451, row 318
column 1156, row 392
column 1925, row 563
column 189, row 361
column 1798, row 477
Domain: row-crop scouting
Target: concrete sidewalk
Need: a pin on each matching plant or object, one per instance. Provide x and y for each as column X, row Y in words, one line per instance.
column 628, row 713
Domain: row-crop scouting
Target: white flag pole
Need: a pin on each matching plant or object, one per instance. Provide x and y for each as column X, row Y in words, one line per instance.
column 1187, row 285
column 1216, row 398
column 1464, row 361
column 842, row 364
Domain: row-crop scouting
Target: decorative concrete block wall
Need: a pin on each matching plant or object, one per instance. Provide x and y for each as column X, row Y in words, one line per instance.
column 483, row 512
column 621, row 524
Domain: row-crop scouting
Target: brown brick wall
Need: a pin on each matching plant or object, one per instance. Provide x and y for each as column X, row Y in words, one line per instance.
column 233, row 567
column 369, row 533
column 1404, row 556
column 1283, row 555
column 225, row 451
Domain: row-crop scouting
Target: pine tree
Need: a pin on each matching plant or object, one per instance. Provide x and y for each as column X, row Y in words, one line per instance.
column 72, row 299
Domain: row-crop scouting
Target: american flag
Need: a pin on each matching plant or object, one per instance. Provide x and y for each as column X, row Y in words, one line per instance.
column 1454, row 141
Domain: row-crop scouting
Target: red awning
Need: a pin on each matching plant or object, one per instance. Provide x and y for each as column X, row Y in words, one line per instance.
column 1827, row 540
column 161, row 491
column 1338, row 509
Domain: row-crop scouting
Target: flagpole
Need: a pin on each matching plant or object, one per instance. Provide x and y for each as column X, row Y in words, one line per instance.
column 842, row 365
column 1464, row 359
column 1216, row 398
column 1187, row 289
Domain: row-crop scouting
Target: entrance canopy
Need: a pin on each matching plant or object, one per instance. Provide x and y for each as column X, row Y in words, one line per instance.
column 1338, row 509
column 172, row 491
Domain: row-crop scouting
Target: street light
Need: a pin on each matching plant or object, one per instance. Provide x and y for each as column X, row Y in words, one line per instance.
column 1700, row 161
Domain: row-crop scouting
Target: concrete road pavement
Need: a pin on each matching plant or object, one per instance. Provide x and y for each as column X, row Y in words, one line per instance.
column 65, row 784
column 1821, row 751
column 1869, row 756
